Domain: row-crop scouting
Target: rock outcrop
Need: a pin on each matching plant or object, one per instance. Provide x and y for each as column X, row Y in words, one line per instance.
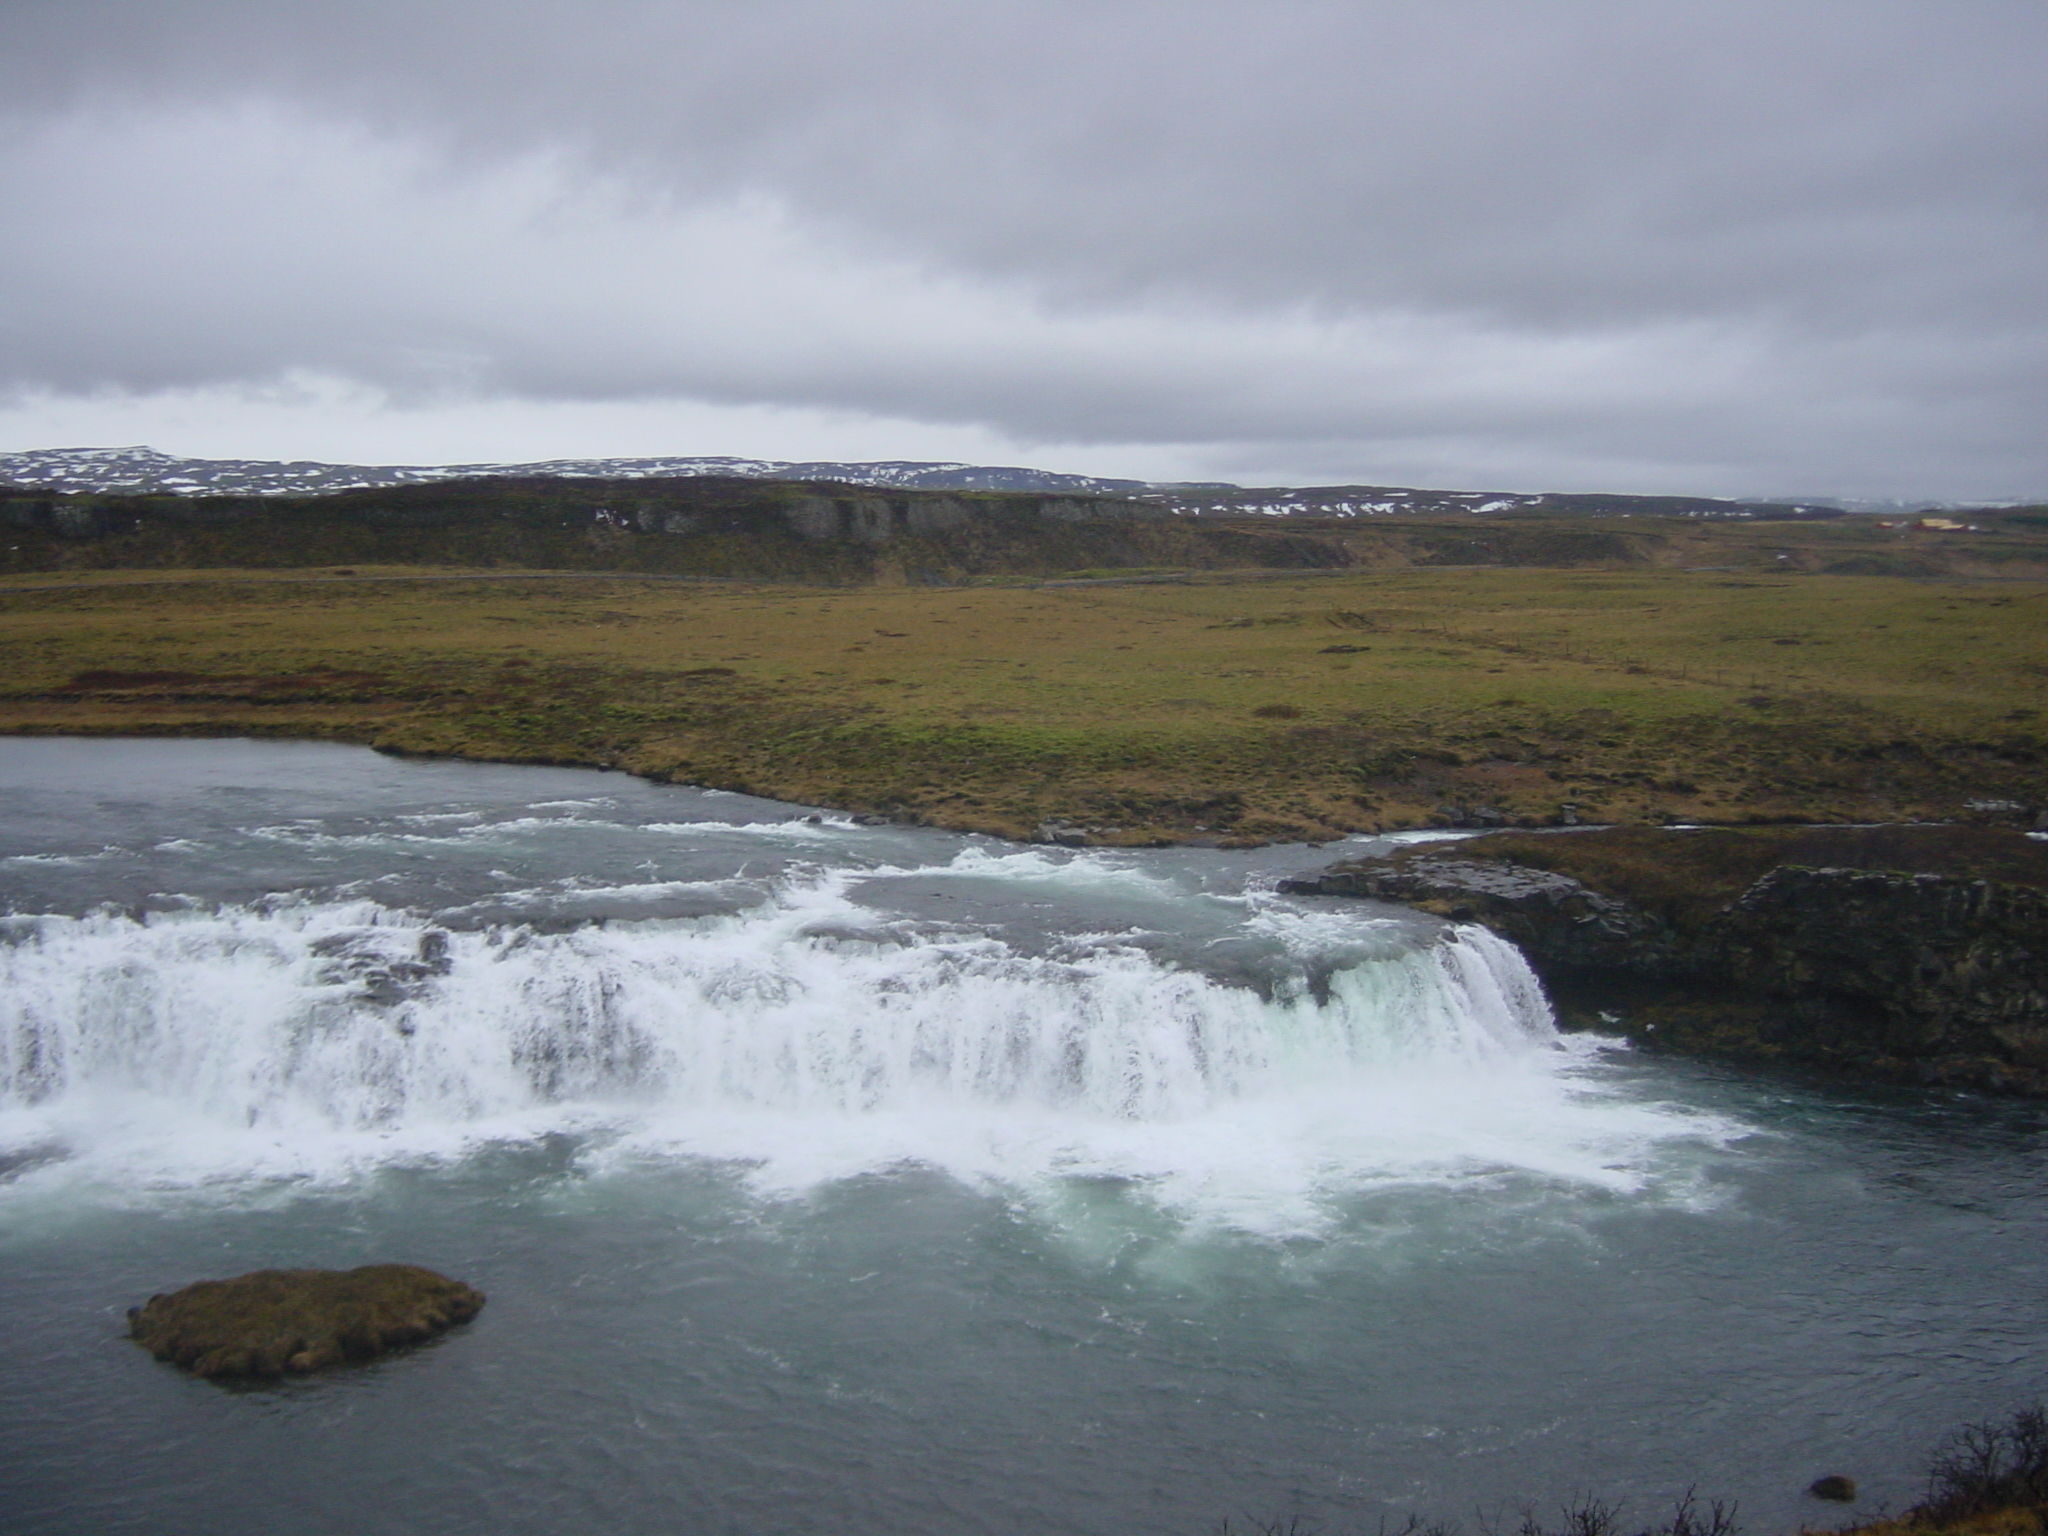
column 280, row 1322
column 1556, row 920
column 1930, row 972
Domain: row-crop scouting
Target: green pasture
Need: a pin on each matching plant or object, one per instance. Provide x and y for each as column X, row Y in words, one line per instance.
column 1292, row 705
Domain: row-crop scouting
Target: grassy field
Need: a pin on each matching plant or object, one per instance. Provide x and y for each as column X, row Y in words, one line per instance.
column 1269, row 705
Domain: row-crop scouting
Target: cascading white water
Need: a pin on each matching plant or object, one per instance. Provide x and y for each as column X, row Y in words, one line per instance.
column 355, row 1018
column 804, row 1037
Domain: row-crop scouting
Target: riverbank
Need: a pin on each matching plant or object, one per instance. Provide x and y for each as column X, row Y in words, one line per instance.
column 1905, row 952
column 1145, row 707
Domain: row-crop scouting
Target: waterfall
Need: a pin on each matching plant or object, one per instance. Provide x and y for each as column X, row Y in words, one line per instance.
column 353, row 1017
column 804, row 1039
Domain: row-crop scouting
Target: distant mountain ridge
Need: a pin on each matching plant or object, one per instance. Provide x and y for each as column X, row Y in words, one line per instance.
column 144, row 470
column 1343, row 501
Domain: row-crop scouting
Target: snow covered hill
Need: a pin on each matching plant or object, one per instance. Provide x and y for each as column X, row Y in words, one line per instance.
column 140, row 469
column 146, row 469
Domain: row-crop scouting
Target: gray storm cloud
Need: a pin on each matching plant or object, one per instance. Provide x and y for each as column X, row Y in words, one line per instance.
column 1786, row 247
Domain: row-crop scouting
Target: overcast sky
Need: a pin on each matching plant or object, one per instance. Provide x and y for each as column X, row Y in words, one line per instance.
column 1792, row 247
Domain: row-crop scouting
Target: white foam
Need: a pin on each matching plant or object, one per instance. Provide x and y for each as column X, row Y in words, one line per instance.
column 796, row 827
column 1097, row 869
column 806, row 1037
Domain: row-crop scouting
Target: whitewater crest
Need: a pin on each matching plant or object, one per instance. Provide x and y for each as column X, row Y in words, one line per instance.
column 354, row 1017
column 807, row 1037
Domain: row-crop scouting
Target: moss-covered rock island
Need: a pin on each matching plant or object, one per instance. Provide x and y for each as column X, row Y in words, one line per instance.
column 292, row 1322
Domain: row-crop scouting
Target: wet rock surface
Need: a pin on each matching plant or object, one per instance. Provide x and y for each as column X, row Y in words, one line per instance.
column 291, row 1322
column 1551, row 917
column 1721, row 942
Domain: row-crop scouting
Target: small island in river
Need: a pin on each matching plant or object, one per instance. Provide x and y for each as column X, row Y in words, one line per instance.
column 292, row 1322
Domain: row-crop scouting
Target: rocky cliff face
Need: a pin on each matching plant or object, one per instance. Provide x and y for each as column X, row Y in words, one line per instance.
column 1931, row 977
column 1946, row 970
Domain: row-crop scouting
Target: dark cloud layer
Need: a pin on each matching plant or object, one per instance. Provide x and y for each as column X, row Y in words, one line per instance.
column 1718, row 246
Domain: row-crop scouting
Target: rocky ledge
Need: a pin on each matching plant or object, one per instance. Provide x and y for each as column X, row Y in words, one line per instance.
column 280, row 1322
column 1910, row 952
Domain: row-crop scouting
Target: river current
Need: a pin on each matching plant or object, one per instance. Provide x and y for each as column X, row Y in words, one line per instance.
column 835, row 1178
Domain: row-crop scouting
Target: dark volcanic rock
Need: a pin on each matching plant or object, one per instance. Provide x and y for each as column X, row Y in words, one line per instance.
column 278, row 1322
column 1715, row 942
column 1956, row 969
column 1551, row 917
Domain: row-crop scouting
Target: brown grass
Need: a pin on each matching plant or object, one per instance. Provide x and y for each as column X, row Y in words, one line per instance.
column 1145, row 711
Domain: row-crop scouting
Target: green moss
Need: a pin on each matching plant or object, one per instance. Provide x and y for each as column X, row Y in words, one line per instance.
column 278, row 1322
column 1638, row 696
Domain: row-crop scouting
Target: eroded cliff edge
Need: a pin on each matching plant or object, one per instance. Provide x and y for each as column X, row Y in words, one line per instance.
column 1910, row 952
